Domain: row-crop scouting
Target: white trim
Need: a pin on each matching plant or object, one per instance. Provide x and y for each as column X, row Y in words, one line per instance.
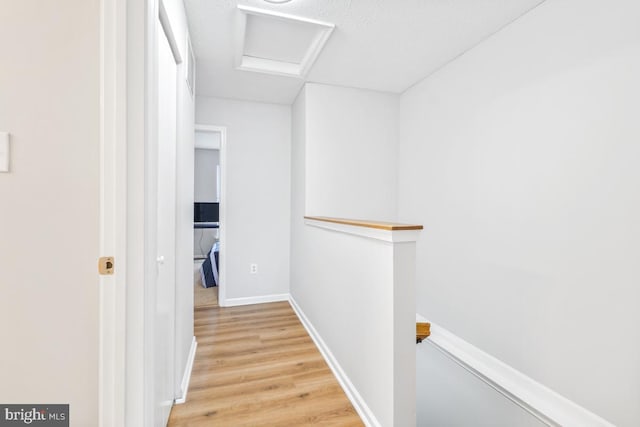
column 190, row 67
column 286, row 16
column 208, row 145
column 391, row 236
column 241, row 27
column 187, row 373
column 222, row 259
column 210, row 128
column 316, row 47
column 113, row 211
column 535, row 398
column 138, row 27
column 232, row 302
column 269, row 66
column 168, row 32
column 350, row 390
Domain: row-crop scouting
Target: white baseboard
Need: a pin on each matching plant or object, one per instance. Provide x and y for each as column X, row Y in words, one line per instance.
column 232, row 302
column 187, row 373
column 357, row 401
column 535, row 398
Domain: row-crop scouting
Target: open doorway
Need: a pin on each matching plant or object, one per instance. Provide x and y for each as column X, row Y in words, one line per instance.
column 208, row 216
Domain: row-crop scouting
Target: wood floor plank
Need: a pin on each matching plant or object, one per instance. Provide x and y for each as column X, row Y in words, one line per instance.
column 257, row 366
column 203, row 297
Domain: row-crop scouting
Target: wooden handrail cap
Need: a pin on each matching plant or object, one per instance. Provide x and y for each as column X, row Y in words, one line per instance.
column 423, row 330
column 381, row 225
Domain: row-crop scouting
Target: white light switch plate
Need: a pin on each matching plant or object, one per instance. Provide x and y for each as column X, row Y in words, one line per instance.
column 4, row 152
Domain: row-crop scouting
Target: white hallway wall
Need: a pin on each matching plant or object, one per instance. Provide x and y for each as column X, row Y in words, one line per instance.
column 351, row 152
column 298, row 194
column 521, row 160
column 184, row 196
column 258, row 193
column 49, row 205
column 206, row 162
column 343, row 164
column 330, row 123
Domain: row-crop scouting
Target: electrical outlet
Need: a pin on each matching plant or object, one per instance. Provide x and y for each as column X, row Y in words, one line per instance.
column 253, row 269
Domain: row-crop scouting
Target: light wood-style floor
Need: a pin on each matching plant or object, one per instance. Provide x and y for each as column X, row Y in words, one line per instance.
column 257, row 366
column 203, row 297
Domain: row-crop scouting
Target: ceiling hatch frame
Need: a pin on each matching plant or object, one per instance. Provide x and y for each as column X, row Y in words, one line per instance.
column 275, row 66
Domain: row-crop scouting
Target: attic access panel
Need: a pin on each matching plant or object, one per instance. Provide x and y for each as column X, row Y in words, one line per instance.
column 277, row 43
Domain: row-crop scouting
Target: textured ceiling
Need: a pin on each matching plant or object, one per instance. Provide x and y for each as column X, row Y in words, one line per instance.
column 385, row 45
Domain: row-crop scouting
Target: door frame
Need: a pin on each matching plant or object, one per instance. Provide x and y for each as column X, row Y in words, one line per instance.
column 222, row 266
column 128, row 80
column 113, row 211
column 153, row 194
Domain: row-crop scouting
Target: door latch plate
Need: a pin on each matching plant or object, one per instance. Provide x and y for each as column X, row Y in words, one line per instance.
column 106, row 265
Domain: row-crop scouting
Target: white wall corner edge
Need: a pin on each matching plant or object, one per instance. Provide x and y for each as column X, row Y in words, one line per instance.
column 186, row 378
column 350, row 390
column 540, row 401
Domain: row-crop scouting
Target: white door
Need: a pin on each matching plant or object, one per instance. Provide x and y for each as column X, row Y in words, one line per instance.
column 164, row 324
